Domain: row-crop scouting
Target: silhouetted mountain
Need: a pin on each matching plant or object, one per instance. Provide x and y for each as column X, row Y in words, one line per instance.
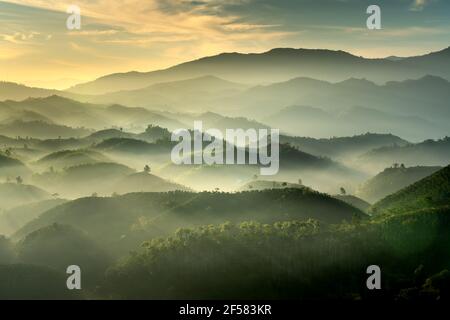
column 63, row 111
column 138, row 118
column 432, row 191
column 391, row 180
column 427, row 153
column 397, row 99
column 40, row 130
column 343, row 147
column 175, row 95
column 56, row 110
column 14, row 91
column 275, row 65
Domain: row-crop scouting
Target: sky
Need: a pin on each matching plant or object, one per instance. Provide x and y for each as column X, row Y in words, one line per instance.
column 36, row 48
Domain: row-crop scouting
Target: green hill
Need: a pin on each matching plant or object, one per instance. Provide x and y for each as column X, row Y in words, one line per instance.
column 133, row 218
column 59, row 246
column 265, row 184
column 145, row 182
column 84, row 179
column 70, row 158
column 426, row 153
column 28, row 282
column 432, row 191
column 101, row 135
column 15, row 218
column 131, row 146
column 293, row 259
column 392, row 180
column 354, row 201
column 339, row 147
column 11, row 168
column 40, row 130
column 15, row 194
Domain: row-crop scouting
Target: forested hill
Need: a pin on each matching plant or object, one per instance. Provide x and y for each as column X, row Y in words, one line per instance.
column 432, row 191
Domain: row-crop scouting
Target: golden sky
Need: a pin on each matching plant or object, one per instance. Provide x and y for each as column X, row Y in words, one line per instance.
column 36, row 48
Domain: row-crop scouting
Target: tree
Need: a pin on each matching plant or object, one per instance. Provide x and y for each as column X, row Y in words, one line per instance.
column 147, row 169
column 343, row 192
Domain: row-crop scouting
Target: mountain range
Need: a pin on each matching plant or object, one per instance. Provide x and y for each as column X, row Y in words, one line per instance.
column 279, row 64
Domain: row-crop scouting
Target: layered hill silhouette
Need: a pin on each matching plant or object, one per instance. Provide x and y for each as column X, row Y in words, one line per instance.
column 69, row 158
column 135, row 217
column 392, row 180
column 427, row 153
column 15, row 218
column 281, row 64
column 402, row 98
column 343, row 147
column 315, row 122
column 16, row 194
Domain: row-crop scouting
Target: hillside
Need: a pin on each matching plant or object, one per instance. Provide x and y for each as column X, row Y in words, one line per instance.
column 193, row 92
column 316, row 122
column 70, row 158
column 432, row 191
column 392, row 180
column 427, row 153
column 145, row 182
column 11, row 168
column 15, row 218
column 135, row 217
column 14, row 91
column 84, row 179
column 28, row 282
column 402, row 98
column 354, row 201
column 265, row 184
column 59, row 246
column 40, row 130
column 15, row 194
column 133, row 146
column 343, row 147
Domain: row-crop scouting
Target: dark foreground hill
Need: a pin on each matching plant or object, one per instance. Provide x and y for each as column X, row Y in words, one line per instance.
column 293, row 260
column 135, row 217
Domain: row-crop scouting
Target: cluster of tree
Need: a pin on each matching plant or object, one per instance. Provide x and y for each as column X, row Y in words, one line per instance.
column 294, row 259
